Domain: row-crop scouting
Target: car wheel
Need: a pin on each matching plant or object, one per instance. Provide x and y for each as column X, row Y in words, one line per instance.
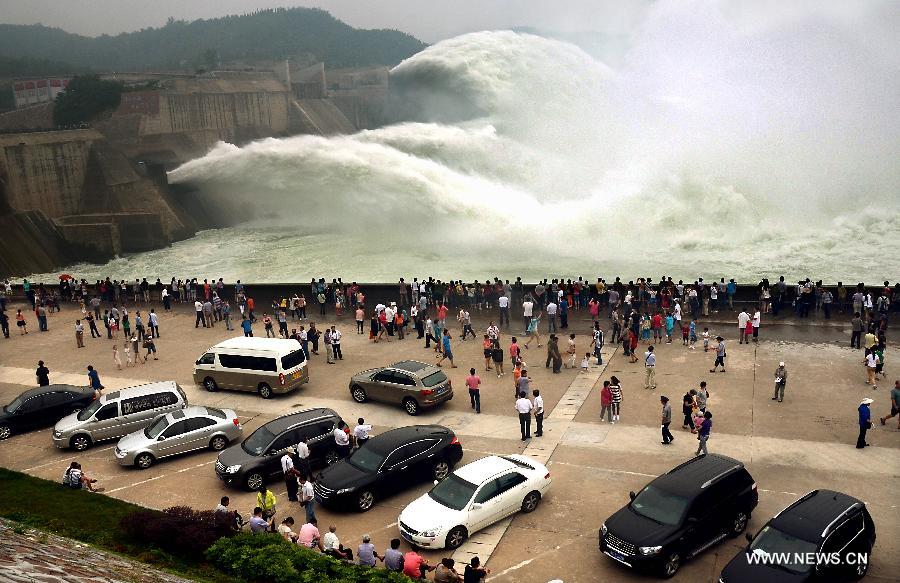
column 143, row 461
column 265, row 391
column 411, row 406
column 359, row 394
column 218, row 443
column 531, row 501
column 456, row 537
column 80, row 442
column 332, row 457
column 441, row 470
column 738, row 524
column 5, row 431
column 364, row 500
column 671, row 565
column 254, row 481
column 210, row 385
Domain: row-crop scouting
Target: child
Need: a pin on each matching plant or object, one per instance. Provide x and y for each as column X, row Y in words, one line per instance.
column 116, row 357
column 127, row 355
column 693, row 333
column 705, row 336
column 685, row 331
column 698, row 418
column 606, row 402
column 586, row 361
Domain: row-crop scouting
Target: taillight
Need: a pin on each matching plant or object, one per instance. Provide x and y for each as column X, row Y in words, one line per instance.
column 547, row 477
column 281, row 378
column 236, row 421
column 427, row 392
column 455, row 441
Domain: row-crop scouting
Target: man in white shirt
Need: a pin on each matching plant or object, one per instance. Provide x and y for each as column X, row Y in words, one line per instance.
column 336, row 343
column 303, row 456
column 551, row 316
column 333, row 546
column 524, row 408
column 493, row 332
column 650, row 368
column 290, row 474
column 755, row 323
column 527, row 311
column 743, row 318
column 503, row 304
column 538, row 412
column 361, row 432
column 198, row 308
column 308, row 498
column 341, row 439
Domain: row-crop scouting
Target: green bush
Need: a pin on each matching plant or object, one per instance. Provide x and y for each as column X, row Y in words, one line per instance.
column 270, row 558
column 86, row 97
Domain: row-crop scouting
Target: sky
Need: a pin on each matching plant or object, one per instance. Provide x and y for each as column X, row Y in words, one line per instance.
column 429, row 20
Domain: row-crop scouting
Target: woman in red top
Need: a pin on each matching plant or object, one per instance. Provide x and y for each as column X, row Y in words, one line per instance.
column 606, row 402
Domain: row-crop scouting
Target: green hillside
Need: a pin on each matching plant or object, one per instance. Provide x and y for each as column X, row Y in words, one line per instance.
column 266, row 34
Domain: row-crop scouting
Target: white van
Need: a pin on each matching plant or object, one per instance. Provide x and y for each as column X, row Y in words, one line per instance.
column 262, row 365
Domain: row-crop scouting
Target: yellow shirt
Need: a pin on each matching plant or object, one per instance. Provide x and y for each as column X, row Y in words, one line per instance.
column 268, row 503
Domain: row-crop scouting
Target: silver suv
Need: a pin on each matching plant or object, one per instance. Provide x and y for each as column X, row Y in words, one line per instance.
column 412, row 384
column 179, row 432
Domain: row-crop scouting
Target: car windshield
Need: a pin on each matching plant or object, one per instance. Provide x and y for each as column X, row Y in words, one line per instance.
column 434, row 378
column 157, row 427
column 660, row 506
column 17, row 402
column 783, row 550
column 366, row 459
column 454, row 492
column 89, row 411
column 258, row 441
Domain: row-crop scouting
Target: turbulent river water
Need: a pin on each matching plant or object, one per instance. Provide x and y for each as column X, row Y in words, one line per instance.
column 711, row 149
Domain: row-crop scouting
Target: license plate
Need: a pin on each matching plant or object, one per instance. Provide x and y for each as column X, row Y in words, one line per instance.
column 442, row 391
column 297, row 374
column 616, row 555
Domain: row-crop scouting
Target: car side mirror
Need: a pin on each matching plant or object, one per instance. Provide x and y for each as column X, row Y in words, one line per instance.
column 476, row 506
column 632, row 495
column 749, row 537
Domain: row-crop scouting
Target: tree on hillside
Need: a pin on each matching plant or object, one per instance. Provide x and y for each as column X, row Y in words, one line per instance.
column 86, row 97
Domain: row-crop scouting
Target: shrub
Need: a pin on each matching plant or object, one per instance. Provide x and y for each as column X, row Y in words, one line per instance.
column 268, row 557
column 180, row 530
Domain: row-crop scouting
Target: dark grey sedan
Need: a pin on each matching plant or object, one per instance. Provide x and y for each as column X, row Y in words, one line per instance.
column 412, row 384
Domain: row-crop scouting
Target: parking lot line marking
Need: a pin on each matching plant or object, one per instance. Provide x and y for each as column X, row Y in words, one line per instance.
column 68, row 459
column 136, row 483
column 599, row 469
column 195, row 467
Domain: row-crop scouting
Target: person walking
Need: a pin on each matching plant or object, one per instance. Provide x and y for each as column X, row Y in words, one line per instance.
column 865, row 422
column 606, row 402
column 534, row 332
column 895, row 404
column 780, row 382
column 524, row 408
column 447, row 352
column 290, row 474
column 666, row 420
column 94, row 381
column 42, row 373
column 538, row 413
column 615, row 389
column 473, row 381
column 153, row 322
column 871, row 362
column 720, row 355
column 553, row 355
column 703, row 433
column 247, row 327
column 92, row 325
column 650, row 369
column 497, row 358
column 688, row 402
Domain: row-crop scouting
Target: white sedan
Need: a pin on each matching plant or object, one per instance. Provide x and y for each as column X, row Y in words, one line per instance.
column 472, row 498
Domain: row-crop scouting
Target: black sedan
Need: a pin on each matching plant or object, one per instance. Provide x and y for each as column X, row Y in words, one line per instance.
column 42, row 407
column 388, row 463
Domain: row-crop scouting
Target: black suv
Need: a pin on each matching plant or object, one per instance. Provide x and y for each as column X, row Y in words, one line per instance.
column 388, row 463
column 258, row 458
column 42, row 407
column 681, row 514
column 836, row 529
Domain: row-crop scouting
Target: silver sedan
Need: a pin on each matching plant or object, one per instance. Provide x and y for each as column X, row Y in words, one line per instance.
column 179, row 432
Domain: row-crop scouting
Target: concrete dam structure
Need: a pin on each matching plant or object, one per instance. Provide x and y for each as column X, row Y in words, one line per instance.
column 91, row 194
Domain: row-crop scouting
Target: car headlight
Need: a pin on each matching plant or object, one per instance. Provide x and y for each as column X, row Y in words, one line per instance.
column 603, row 529
column 232, row 469
column 344, row 491
column 430, row 532
column 649, row 550
column 57, row 434
column 721, row 579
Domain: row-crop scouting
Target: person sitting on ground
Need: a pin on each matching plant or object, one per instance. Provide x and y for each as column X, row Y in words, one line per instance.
column 367, row 555
column 232, row 517
column 445, row 573
column 76, row 478
column 393, row 558
column 415, row 566
column 285, row 530
column 474, row 572
column 259, row 524
column 309, row 536
column 333, row 546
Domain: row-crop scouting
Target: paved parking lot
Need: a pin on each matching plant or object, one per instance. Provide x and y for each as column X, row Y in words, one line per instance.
column 790, row 448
